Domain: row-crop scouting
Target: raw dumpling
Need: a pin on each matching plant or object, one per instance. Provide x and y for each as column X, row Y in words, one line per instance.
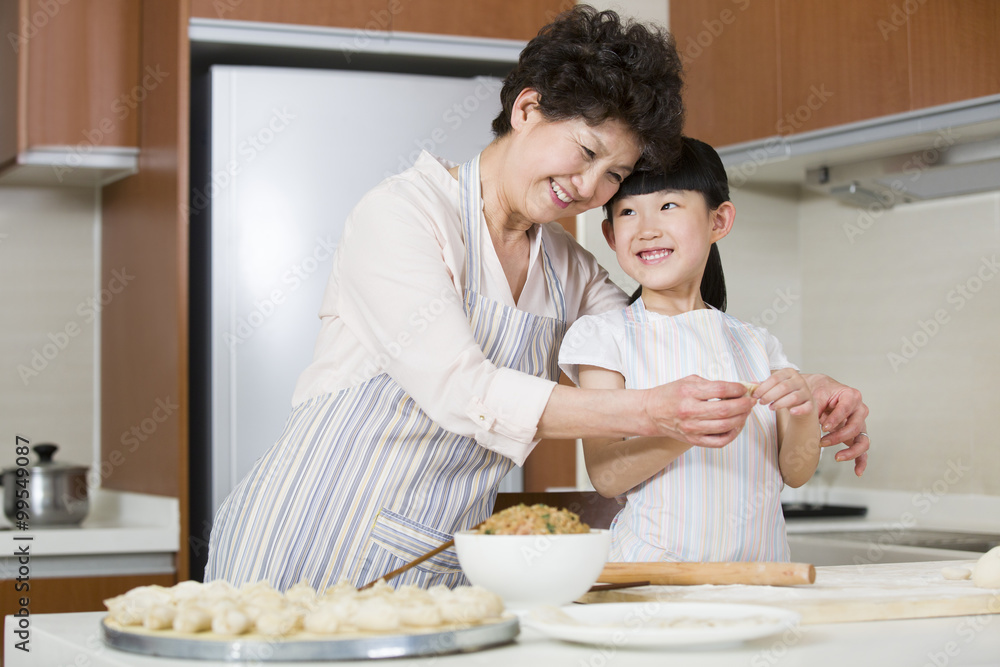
column 379, row 589
column 376, row 615
column 419, row 614
column 323, row 620
column 411, row 594
column 343, row 588
column 302, row 593
column 186, row 590
column 192, row 618
column 159, row 617
column 130, row 608
column 218, row 588
column 280, row 622
column 463, row 612
column 230, row 621
column 492, row 603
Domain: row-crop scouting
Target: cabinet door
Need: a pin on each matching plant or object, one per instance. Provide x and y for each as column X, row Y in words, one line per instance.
column 328, row 13
column 730, row 54
column 839, row 64
column 79, row 64
column 955, row 50
column 507, row 19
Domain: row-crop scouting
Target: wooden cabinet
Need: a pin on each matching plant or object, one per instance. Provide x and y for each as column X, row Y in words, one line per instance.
column 70, row 78
column 730, row 55
column 954, row 51
column 506, row 19
column 779, row 67
column 835, row 65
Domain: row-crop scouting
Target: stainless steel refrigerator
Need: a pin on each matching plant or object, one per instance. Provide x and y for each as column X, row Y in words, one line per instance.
column 285, row 154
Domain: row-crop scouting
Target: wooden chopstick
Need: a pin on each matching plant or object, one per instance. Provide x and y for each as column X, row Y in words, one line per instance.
column 417, row 561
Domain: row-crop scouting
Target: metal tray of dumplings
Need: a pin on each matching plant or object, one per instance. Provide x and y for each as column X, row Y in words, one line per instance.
column 314, row 647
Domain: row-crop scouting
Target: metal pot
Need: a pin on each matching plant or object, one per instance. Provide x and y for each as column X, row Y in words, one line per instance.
column 56, row 492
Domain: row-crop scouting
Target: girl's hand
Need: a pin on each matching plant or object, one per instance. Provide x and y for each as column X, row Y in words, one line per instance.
column 689, row 410
column 786, row 388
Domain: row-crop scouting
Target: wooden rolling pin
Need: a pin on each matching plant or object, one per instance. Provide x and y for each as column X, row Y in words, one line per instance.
column 689, row 574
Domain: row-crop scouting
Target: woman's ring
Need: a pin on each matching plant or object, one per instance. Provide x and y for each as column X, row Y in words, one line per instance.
column 866, row 435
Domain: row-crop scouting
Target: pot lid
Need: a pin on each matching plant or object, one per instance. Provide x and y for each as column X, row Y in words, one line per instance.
column 45, row 463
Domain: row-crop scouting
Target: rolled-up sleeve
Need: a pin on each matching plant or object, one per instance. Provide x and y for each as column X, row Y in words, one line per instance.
column 400, row 299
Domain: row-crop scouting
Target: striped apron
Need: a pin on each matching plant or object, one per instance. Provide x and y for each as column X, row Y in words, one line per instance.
column 709, row 504
column 362, row 481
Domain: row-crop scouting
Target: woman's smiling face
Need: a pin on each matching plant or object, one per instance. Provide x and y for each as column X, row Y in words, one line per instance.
column 662, row 239
column 566, row 167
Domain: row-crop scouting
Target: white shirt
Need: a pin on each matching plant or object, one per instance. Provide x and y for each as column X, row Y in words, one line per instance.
column 393, row 305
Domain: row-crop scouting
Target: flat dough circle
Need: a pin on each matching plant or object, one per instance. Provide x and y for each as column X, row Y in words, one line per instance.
column 956, row 573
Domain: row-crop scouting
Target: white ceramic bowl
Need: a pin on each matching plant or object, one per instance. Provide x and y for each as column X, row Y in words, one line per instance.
column 531, row 570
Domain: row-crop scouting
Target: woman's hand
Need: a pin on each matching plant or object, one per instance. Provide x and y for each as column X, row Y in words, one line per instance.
column 842, row 414
column 688, row 410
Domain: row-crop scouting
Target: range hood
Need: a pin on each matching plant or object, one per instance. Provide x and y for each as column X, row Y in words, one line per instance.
column 931, row 153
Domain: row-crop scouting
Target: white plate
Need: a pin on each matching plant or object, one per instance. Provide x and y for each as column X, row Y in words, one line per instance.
column 679, row 624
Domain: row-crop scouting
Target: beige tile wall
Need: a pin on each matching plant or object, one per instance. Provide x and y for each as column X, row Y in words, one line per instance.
column 906, row 307
column 760, row 258
column 48, row 272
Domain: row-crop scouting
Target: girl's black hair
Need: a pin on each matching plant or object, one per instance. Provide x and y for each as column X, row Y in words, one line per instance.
column 698, row 168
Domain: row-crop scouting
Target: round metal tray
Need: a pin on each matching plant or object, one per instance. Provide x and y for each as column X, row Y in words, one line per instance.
column 260, row 648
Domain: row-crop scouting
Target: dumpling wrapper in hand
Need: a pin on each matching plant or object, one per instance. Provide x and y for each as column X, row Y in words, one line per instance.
column 751, row 387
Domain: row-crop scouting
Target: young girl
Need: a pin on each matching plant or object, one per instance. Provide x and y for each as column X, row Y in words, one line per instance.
column 706, row 503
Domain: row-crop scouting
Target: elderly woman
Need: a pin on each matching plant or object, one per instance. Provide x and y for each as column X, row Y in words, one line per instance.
column 435, row 370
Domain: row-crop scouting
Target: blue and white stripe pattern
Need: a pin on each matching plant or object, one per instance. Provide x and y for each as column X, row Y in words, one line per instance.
column 711, row 504
column 362, row 481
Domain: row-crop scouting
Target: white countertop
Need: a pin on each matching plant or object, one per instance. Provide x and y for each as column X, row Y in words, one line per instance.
column 74, row 639
column 895, row 510
column 131, row 526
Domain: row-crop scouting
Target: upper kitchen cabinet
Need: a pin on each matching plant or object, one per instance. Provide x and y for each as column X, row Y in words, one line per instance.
column 730, row 55
column 837, row 65
column 954, row 51
column 778, row 67
column 70, row 87
column 507, row 19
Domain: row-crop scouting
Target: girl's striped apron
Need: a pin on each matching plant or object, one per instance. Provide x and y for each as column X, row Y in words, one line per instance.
column 362, row 481
column 710, row 504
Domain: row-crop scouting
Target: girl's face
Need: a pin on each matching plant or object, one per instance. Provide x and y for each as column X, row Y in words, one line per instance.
column 562, row 168
column 662, row 241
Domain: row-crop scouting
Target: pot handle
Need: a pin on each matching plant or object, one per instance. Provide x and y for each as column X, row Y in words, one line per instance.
column 45, row 452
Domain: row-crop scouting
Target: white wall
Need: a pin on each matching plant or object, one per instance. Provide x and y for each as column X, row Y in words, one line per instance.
column 49, row 250
column 760, row 258
column 906, row 307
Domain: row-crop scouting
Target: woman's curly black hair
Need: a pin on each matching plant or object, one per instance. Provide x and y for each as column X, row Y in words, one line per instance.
column 595, row 66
